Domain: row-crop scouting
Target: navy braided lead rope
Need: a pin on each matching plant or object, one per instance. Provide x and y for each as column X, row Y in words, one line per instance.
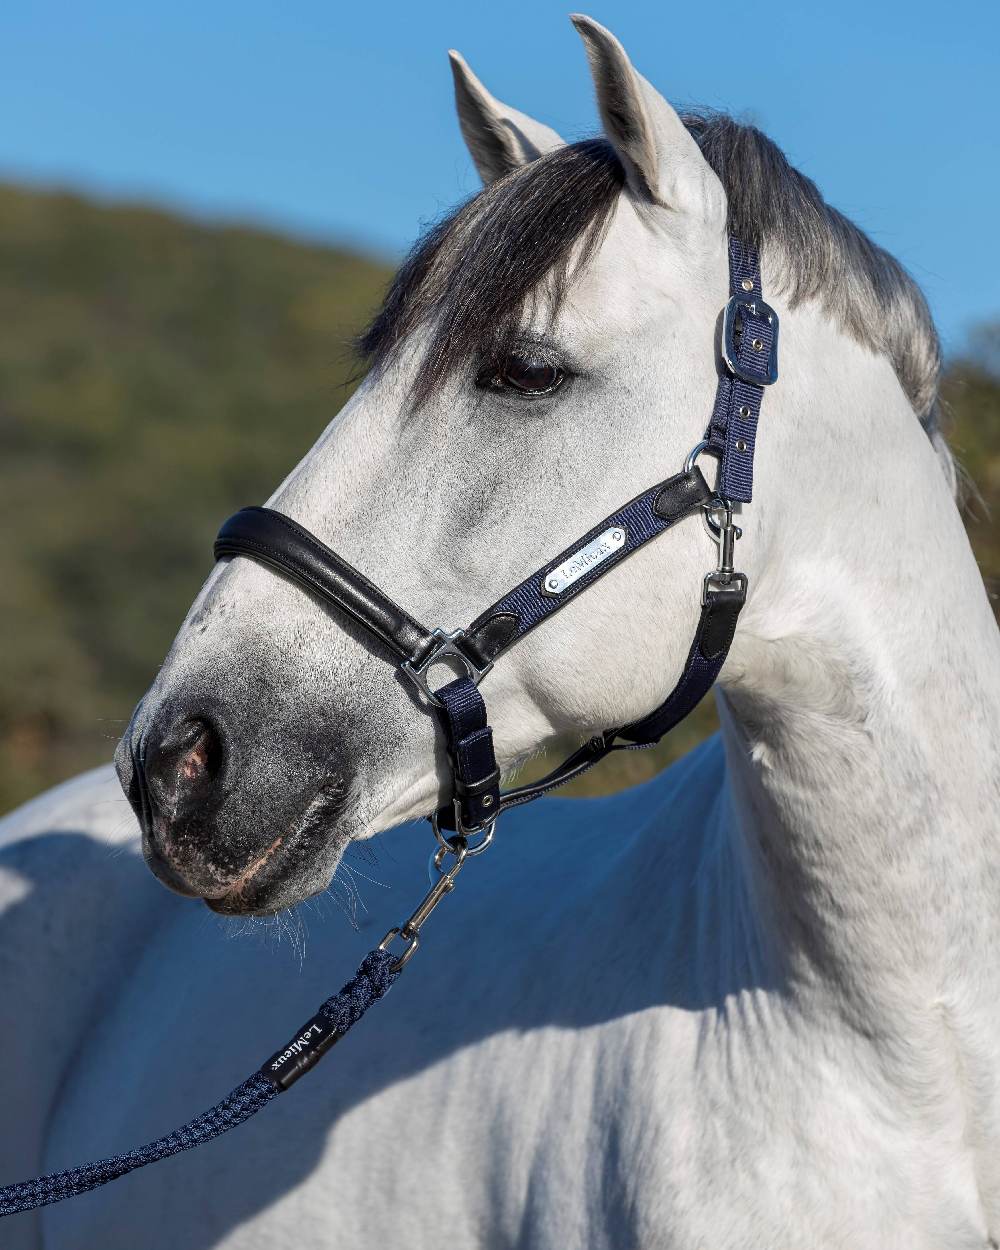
column 374, row 977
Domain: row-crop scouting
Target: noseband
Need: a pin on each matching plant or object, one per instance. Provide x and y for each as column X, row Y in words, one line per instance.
column 749, row 359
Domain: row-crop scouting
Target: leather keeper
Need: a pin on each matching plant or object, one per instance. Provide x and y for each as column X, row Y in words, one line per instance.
column 474, row 789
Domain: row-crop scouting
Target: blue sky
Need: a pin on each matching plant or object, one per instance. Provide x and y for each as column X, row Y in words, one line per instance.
column 336, row 122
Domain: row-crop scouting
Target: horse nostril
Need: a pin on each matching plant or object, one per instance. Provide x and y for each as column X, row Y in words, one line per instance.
column 200, row 757
column 184, row 762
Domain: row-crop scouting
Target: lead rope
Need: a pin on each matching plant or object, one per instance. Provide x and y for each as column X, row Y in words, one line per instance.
column 373, row 979
column 334, row 1018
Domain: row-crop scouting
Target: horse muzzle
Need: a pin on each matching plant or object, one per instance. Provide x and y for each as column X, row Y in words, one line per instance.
column 206, row 836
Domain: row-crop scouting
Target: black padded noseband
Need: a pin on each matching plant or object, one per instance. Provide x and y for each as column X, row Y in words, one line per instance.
column 282, row 544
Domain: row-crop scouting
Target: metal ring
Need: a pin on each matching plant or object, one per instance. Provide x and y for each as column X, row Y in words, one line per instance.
column 446, row 646
column 434, row 869
column 442, row 838
column 716, row 503
column 407, row 955
column 696, row 451
column 487, row 830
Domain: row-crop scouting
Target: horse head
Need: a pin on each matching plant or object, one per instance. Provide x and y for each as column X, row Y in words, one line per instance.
column 545, row 353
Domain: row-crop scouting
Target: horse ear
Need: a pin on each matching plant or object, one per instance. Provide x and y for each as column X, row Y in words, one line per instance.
column 662, row 161
column 499, row 138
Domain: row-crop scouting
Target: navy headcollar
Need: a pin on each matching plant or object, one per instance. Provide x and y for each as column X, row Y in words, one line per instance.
column 749, row 359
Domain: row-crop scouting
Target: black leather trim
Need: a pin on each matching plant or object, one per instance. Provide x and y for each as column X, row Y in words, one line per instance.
column 680, row 494
column 573, row 766
column 276, row 540
column 719, row 625
column 476, row 789
column 494, row 634
column 271, row 538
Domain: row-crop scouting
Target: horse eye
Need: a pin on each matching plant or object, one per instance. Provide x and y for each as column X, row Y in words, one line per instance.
column 529, row 376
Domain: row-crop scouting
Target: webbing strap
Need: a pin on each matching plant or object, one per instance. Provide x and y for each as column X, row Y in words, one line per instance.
column 594, row 554
column 470, row 746
column 716, row 626
column 732, row 430
column 749, row 349
column 712, row 640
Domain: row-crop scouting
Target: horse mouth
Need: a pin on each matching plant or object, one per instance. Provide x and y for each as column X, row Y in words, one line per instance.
column 267, row 884
column 233, row 898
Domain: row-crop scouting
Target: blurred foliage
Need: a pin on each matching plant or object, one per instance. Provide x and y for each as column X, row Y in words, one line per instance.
column 155, row 374
column 971, row 401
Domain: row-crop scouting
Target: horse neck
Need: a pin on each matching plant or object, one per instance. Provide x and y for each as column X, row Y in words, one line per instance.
column 861, row 700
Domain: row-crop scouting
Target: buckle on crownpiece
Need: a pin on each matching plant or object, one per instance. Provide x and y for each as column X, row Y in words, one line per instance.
column 737, row 310
column 447, row 647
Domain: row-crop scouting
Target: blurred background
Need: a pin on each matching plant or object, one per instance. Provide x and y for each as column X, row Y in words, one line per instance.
column 200, row 205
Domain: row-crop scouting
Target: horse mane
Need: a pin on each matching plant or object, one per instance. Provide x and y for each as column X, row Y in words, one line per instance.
column 472, row 275
column 822, row 255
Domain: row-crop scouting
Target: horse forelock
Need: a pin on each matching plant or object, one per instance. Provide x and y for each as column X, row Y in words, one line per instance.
column 470, row 276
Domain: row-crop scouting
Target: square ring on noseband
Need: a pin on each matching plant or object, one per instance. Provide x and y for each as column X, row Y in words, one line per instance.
column 447, row 648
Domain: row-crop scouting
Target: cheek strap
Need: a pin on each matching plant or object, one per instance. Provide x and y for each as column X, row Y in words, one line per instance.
column 477, row 797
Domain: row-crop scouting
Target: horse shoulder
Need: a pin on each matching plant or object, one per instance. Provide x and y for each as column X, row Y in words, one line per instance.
column 68, row 864
column 529, row 977
column 75, row 904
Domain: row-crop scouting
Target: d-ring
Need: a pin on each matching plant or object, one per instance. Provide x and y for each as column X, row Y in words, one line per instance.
column 463, row 834
column 716, row 503
column 697, row 450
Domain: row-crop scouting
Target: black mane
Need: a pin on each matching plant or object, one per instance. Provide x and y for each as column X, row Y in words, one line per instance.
column 472, row 276
column 473, row 273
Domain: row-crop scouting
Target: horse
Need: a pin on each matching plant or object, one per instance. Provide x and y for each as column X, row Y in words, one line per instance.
column 752, row 1002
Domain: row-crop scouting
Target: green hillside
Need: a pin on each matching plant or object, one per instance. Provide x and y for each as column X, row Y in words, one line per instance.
column 155, row 374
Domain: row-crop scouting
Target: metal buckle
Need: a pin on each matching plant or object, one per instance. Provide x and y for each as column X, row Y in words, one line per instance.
column 749, row 305
column 447, row 645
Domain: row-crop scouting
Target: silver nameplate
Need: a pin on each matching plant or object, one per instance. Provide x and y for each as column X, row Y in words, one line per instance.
column 596, row 551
